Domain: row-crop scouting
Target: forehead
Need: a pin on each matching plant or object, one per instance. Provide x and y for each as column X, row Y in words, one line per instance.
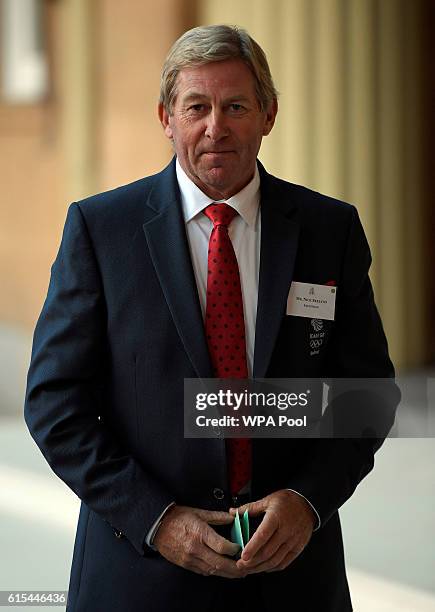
column 216, row 79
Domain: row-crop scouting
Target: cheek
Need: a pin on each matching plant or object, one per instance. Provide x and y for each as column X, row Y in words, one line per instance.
column 185, row 148
column 179, row 138
column 249, row 138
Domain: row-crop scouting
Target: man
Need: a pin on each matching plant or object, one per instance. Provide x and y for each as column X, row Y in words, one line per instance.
column 136, row 304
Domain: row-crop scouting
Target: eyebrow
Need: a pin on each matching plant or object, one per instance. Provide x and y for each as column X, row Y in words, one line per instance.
column 198, row 96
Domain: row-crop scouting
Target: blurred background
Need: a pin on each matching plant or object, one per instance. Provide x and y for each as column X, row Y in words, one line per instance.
column 79, row 82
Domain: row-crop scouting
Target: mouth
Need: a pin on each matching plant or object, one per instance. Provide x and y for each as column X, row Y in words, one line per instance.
column 216, row 152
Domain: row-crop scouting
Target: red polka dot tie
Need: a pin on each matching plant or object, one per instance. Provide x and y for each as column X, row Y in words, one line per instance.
column 225, row 328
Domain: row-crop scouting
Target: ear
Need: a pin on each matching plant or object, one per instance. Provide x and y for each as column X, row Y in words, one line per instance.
column 270, row 117
column 165, row 120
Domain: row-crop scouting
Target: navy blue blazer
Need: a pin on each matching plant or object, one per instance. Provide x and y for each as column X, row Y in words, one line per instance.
column 121, row 328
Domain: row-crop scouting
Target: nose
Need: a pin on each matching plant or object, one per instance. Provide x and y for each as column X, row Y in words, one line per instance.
column 216, row 127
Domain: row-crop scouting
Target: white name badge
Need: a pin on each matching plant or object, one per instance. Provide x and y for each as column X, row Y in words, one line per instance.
column 314, row 301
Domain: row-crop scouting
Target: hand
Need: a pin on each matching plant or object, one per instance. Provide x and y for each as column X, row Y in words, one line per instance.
column 185, row 538
column 282, row 535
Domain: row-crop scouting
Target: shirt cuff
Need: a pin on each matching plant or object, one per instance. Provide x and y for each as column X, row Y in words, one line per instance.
column 312, row 507
column 155, row 526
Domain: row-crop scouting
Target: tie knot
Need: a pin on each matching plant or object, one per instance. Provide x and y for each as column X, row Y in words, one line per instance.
column 220, row 214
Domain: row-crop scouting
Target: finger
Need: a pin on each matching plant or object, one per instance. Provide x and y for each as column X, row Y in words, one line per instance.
column 225, row 571
column 199, row 558
column 221, row 566
column 285, row 562
column 265, row 531
column 199, row 566
column 265, row 553
column 253, row 508
column 273, row 562
column 214, row 517
column 219, row 544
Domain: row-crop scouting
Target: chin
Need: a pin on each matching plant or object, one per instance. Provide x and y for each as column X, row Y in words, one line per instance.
column 218, row 177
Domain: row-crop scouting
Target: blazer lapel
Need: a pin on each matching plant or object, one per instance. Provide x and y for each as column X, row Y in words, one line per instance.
column 279, row 241
column 167, row 242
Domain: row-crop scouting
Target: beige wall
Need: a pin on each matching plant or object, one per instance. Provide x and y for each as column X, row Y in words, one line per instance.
column 111, row 83
column 32, row 194
column 132, row 50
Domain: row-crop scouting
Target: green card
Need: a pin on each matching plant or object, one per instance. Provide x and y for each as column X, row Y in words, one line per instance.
column 240, row 529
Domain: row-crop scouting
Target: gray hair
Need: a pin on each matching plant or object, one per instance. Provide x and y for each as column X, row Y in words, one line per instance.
column 216, row 43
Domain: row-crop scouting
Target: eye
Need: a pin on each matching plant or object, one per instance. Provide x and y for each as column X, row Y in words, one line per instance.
column 236, row 109
column 196, row 108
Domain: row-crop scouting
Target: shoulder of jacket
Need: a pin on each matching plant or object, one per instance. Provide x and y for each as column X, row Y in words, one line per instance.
column 133, row 191
column 311, row 199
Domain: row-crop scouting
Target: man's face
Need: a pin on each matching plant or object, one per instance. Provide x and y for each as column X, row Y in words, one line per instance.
column 216, row 126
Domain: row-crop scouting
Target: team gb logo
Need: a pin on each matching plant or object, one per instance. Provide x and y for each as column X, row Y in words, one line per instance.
column 317, row 324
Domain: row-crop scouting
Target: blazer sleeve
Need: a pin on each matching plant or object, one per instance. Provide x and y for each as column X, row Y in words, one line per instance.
column 62, row 406
column 357, row 349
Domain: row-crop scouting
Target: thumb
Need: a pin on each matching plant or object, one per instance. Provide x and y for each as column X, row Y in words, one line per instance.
column 214, row 517
column 253, row 508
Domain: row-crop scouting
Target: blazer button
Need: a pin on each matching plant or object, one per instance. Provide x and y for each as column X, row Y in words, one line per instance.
column 118, row 534
column 218, row 493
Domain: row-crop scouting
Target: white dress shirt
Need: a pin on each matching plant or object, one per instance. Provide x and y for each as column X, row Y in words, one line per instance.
column 245, row 233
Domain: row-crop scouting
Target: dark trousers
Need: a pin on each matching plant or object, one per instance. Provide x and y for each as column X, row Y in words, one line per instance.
column 243, row 595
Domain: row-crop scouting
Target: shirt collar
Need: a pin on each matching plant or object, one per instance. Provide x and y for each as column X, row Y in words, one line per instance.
column 193, row 200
